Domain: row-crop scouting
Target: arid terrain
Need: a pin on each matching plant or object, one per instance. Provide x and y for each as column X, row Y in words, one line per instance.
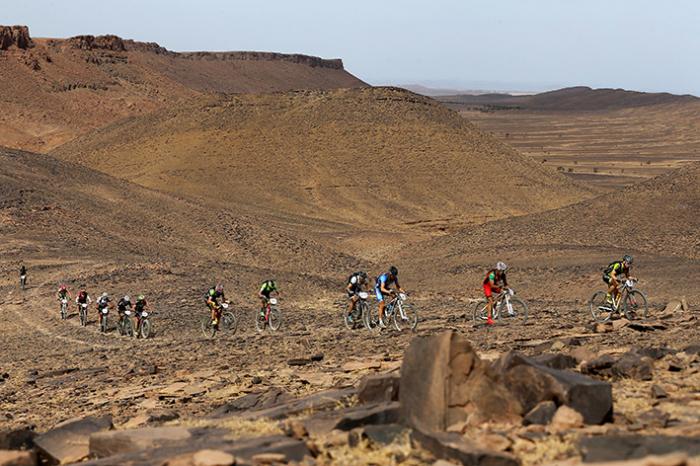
column 305, row 180
column 604, row 138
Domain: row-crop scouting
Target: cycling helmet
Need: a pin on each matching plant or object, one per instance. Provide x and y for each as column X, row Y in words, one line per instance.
column 627, row 259
column 62, row 288
column 127, row 298
column 501, row 266
column 393, row 271
column 363, row 275
column 140, row 297
column 105, row 295
column 219, row 288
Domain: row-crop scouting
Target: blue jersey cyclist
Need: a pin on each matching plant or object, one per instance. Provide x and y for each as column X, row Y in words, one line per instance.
column 382, row 290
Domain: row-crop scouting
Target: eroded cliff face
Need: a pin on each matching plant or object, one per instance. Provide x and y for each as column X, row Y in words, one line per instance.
column 15, row 36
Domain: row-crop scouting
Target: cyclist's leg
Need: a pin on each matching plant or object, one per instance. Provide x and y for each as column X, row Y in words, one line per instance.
column 382, row 304
column 353, row 302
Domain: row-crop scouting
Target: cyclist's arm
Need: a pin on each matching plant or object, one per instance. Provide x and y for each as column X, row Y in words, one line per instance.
column 505, row 281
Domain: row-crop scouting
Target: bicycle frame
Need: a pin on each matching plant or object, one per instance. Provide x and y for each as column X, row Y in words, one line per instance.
column 391, row 308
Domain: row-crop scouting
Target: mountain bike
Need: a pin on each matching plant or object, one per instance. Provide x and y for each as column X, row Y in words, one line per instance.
column 125, row 326
column 22, row 282
column 82, row 313
column 64, row 308
column 104, row 312
column 227, row 322
column 400, row 313
column 505, row 305
column 268, row 315
column 143, row 325
column 630, row 301
column 357, row 316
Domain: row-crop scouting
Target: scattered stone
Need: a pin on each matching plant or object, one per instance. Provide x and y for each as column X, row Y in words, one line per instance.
column 673, row 307
column 68, row 442
column 582, row 354
column 379, row 388
column 269, row 458
column 646, row 326
column 674, row 364
column 496, row 442
column 654, row 353
column 658, row 392
column 352, row 366
column 383, row 434
column 272, row 397
column 444, row 463
column 256, row 380
column 296, row 429
column 541, row 414
column 566, row 418
column 327, row 399
column 115, row 442
column 317, row 357
column 558, row 345
column 454, row 447
column 654, row 418
column 298, row 362
column 619, row 324
column 213, row 458
column 602, row 327
column 633, row 366
column 444, row 382
column 17, row 458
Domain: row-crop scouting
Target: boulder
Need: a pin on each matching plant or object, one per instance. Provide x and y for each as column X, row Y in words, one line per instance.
column 532, row 383
column 351, row 418
column 556, row 360
column 541, row 414
column 69, row 442
column 379, row 388
column 115, row 442
column 566, row 418
column 444, row 382
column 626, row 447
column 630, row 365
column 658, row 392
column 620, row 324
column 453, row 447
column 17, row 439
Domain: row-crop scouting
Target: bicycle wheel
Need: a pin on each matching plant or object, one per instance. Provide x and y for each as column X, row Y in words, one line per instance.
column 601, row 309
column 405, row 316
column 480, row 312
column 64, row 312
column 207, row 328
column 103, row 323
column 145, row 329
column 275, row 319
column 371, row 319
column 229, row 321
column 128, row 327
column 518, row 310
column 83, row 317
column 635, row 305
column 260, row 320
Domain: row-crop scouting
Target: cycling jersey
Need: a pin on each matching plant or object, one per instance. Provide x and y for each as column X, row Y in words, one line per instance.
column 103, row 303
column 123, row 305
column 62, row 294
column 140, row 305
column 496, row 277
column 82, row 298
column 355, row 282
column 268, row 287
column 386, row 280
column 618, row 267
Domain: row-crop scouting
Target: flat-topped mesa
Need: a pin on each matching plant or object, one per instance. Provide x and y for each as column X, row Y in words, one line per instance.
column 15, row 36
column 336, row 63
column 108, row 42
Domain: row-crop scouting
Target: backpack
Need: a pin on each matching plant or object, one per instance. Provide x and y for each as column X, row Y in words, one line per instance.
column 610, row 267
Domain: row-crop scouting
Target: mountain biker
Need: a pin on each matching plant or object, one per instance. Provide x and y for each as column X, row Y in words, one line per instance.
column 267, row 288
column 139, row 307
column 611, row 274
column 23, row 274
column 356, row 282
column 215, row 294
column 103, row 302
column 63, row 293
column 381, row 289
column 124, row 305
column 494, row 282
column 82, row 298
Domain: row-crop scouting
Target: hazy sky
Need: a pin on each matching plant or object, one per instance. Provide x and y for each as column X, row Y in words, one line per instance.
column 494, row 44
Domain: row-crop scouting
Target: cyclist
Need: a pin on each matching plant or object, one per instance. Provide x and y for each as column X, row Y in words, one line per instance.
column 103, row 302
column 381, row 289
column 215, row 294
column 23, row 275
column 267, row 288
column 494, row 282
column 356, row 282
column 82, row 298
column 124, row 305
column 63, row 293
column 611, row 274
column 139, row 307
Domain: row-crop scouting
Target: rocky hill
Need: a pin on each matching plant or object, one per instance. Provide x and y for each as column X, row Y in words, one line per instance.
column 57, row 89
column 374, row 157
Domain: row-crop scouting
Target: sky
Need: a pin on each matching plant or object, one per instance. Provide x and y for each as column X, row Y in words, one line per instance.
column 517, row 45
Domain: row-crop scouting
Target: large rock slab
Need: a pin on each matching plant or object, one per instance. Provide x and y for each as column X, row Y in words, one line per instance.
column 17, row 439
column 68, row 442
column 452, row 446
column 626, row 447
column 115, row 442
column 327, row 399
column 630, row 365
column 377, row 388
column 350, row 418
column 532, row 383
column 444, row 382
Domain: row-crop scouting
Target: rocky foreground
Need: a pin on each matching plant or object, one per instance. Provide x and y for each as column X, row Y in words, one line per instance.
column 552, row 401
